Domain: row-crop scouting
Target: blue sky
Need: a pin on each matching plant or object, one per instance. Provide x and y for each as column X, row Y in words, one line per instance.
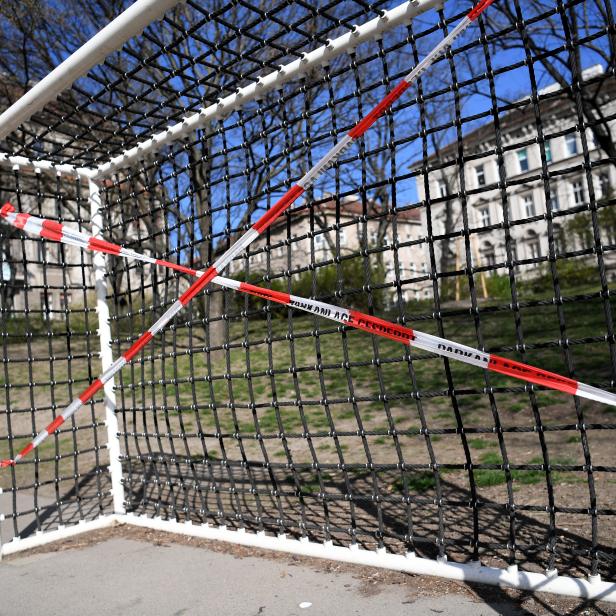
column 512, row 85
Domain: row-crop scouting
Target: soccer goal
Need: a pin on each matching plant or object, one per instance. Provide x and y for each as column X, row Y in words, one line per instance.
column 333, row 280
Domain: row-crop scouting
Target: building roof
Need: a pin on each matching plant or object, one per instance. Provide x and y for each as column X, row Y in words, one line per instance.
column 554, row 103
column 350, row 207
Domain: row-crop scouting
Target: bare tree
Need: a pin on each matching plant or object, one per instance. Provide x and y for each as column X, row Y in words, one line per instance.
column 589, row 25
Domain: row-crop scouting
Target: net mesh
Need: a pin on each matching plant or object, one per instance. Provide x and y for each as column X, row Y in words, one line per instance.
column 50, row 352
column 480, row 209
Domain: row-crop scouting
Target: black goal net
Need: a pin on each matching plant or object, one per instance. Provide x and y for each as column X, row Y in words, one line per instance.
column 479, row 208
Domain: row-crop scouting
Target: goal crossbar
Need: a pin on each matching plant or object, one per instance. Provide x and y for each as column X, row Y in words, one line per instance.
column 401, row 14
column 47, row 166
column 125, row 26
column 134, row 20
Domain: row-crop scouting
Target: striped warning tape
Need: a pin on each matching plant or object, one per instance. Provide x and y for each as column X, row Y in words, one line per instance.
column 52, row 231
column 352, row 318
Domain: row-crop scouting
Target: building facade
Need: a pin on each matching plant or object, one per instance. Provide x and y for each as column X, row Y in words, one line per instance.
column 528, row 195
column 317, row 236
column 44, row 277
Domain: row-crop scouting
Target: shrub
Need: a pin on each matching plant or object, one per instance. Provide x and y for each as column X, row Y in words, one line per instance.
column 572, row 273
column 349, row 275
column 242, row 301
column 498, row 287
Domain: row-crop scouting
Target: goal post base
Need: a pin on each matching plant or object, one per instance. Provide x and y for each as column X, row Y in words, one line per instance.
column 592, row 588
column 511, row 577
column 62, row 533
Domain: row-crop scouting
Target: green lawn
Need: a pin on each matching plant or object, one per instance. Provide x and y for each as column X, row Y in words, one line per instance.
column 249, row 389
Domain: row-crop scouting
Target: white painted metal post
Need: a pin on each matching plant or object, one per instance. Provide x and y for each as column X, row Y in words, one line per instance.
column 401, row 14
column 111, row 38
column 592, row 588
column 47, row 166
column 104, row 333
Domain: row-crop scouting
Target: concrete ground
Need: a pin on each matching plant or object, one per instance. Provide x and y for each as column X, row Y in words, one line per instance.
column 122, row 571
column 27, row 522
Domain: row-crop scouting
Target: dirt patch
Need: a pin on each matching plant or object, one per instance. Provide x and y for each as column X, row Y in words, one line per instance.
column 355, row 482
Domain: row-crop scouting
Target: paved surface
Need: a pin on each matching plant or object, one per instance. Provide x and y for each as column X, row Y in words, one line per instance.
column 124, row 576
column 27, row 523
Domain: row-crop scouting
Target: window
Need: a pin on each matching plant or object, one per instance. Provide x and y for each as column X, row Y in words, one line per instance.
column 442, row 188
column 528, row 204
column 579, row 194
column 481, row 175
column 484, row 214
column 342, row 236
column 514, row 250
column 294, row 243
column 604, row 185
column 424, row 267
column 511, row 210
column 487, row 254
column 558, row 239
column 47, row 305
column 373, row 238
column 319, row 241
column 534, row 247
column 593, row 140
column 5, row 269
column 548, row 151
column 553, row 200
column 571, row 144
column 523, row 160
column 40, row 147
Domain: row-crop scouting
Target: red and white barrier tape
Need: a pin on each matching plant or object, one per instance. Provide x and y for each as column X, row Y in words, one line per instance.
column 428, row 342
column 352, row 318
column 53, row 230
